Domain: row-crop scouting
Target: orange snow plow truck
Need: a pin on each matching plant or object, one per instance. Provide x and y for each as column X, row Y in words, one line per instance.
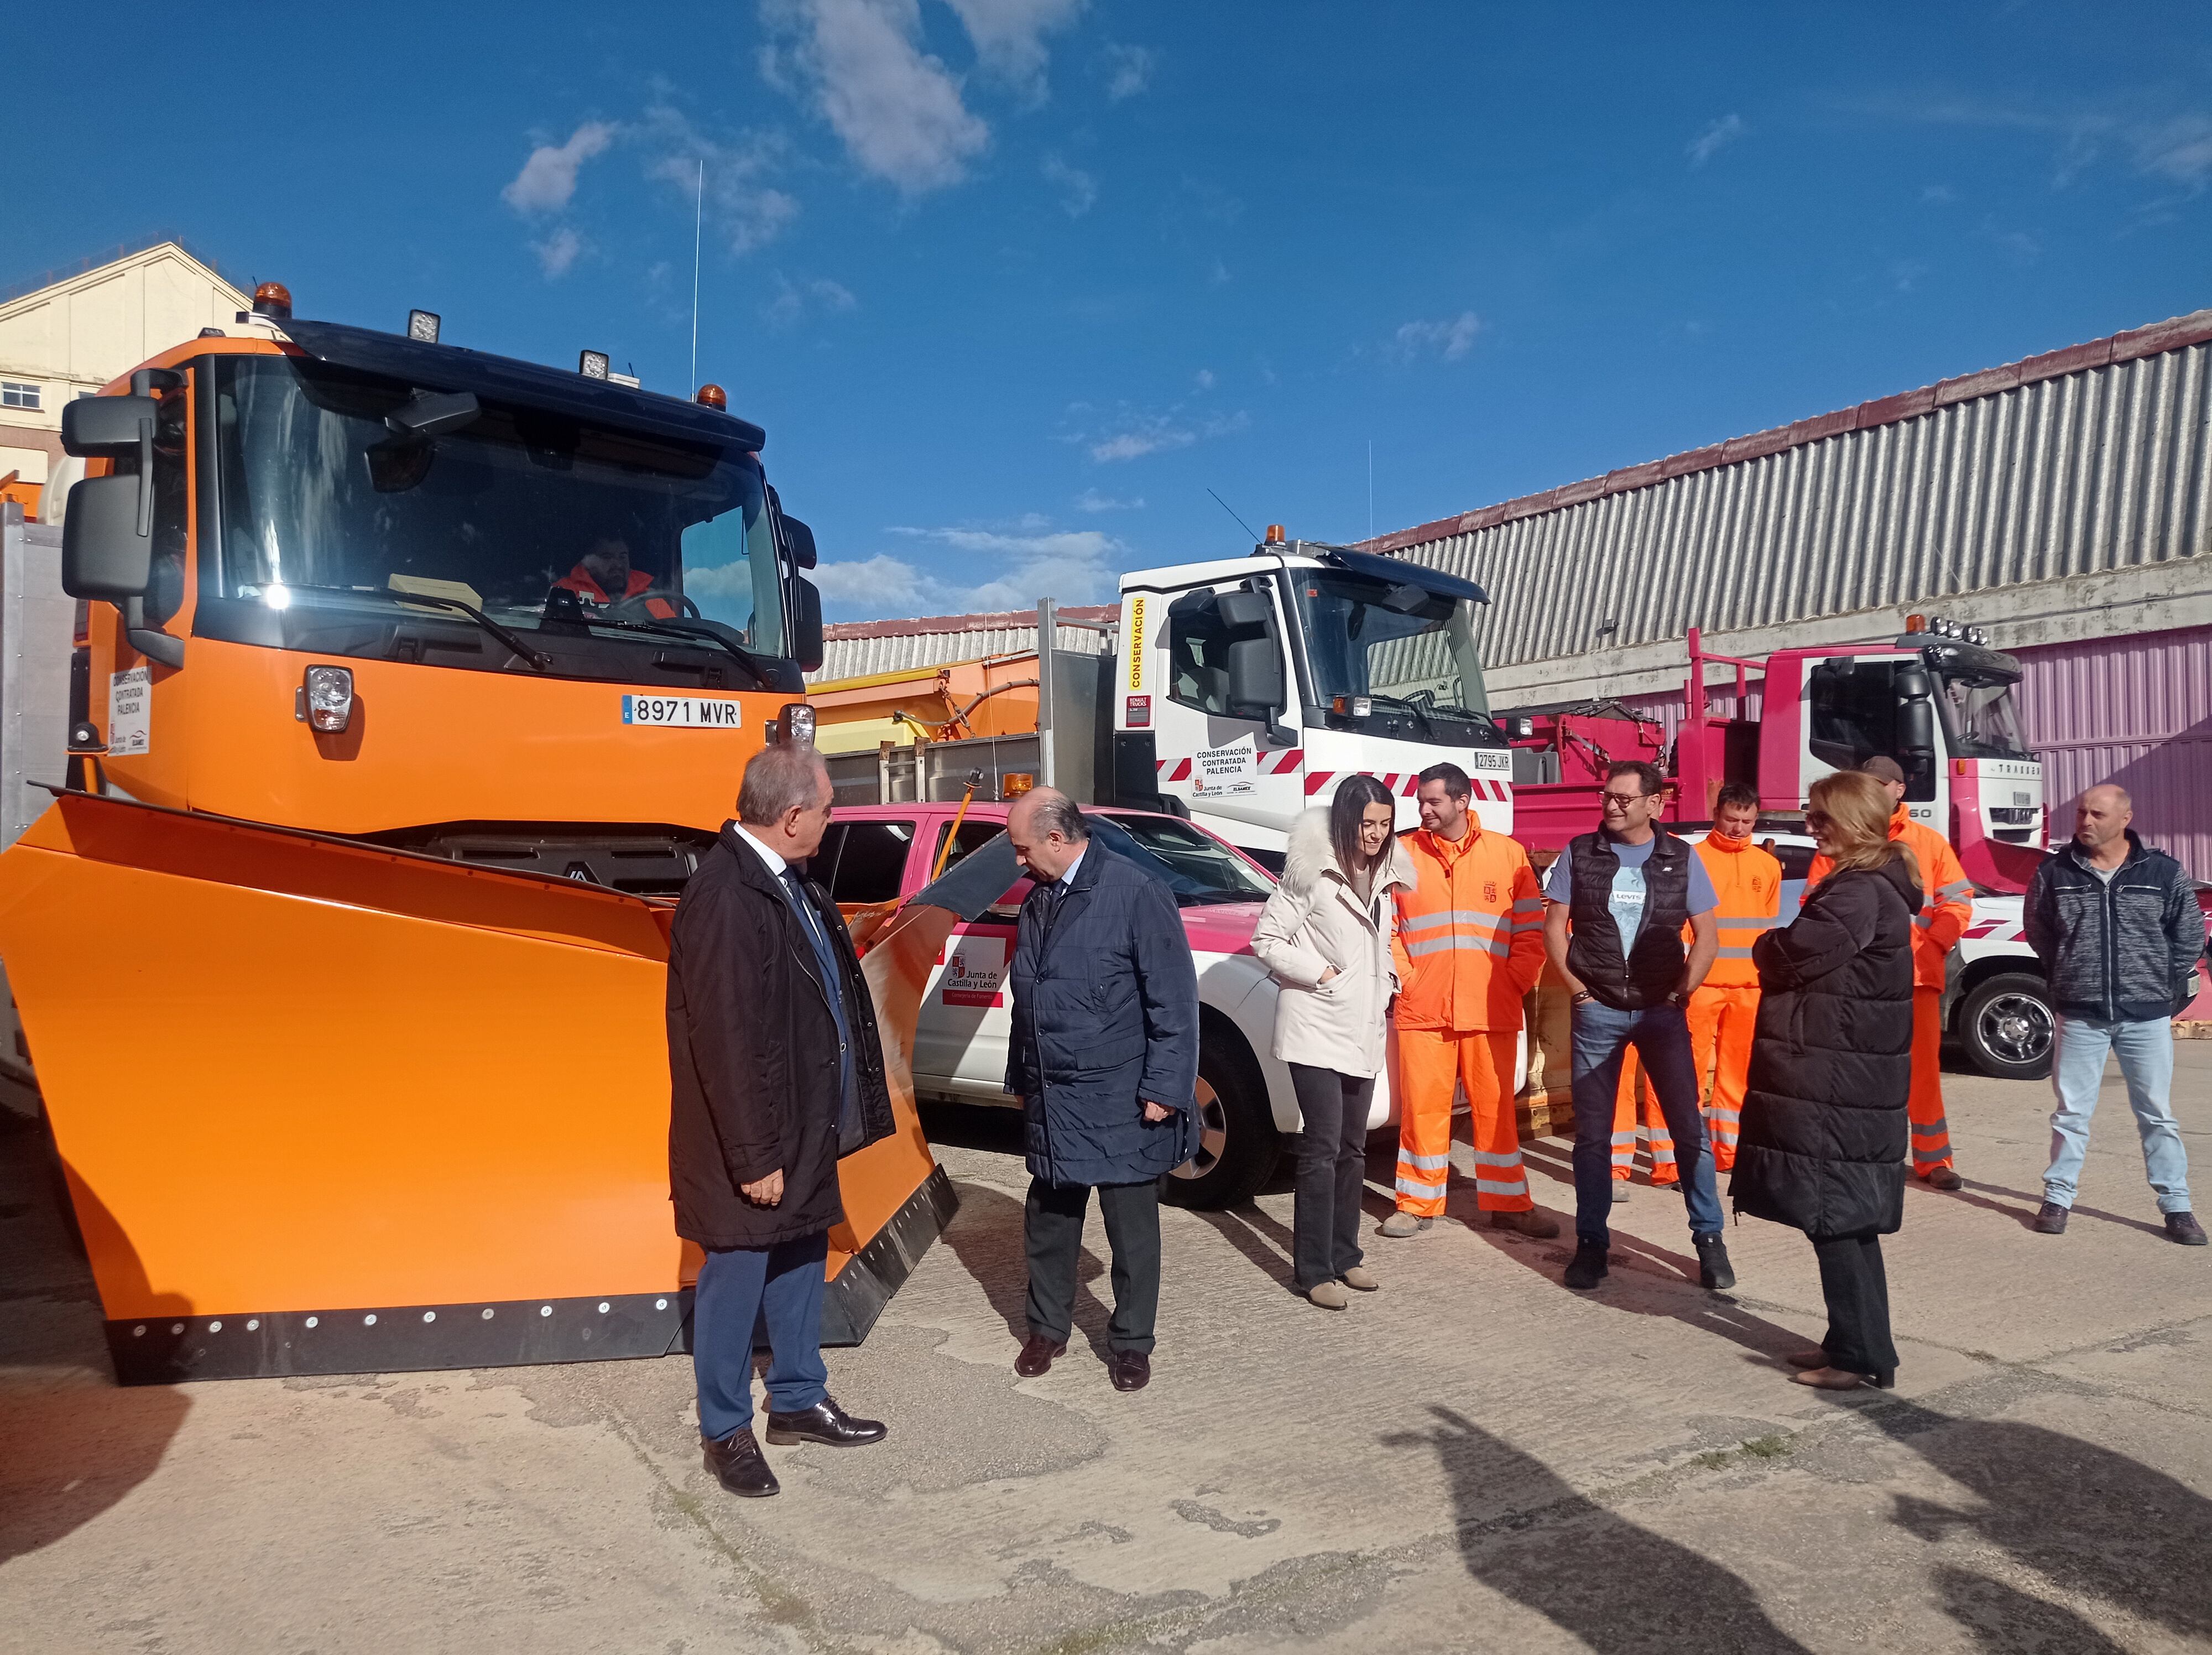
column 411, row 684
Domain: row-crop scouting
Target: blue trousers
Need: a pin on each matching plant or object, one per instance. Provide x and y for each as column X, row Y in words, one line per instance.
column 2145, row 1054
column 1661, row 1035
column 745, row 1289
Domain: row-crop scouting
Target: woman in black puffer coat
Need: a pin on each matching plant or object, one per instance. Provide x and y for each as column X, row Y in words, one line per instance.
column 1824, row 1133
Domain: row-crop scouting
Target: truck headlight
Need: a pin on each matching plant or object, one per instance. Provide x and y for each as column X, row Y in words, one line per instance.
column 329, row 694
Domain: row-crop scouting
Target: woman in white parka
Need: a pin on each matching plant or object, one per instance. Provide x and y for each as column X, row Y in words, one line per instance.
column 1325, row 935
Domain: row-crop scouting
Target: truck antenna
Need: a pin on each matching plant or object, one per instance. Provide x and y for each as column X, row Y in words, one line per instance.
column 1241, row 523
column 698, row 224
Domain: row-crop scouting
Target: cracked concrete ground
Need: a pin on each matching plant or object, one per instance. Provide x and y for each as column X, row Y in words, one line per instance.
column 1471, row 1458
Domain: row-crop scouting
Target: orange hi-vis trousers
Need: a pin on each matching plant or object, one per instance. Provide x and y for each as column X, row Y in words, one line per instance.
column 1722, row 1017
column 1656, row 1139
column 1931, row 1132
column 1430, row 1062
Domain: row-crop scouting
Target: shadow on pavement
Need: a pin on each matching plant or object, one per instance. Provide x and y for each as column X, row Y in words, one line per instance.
column 1620, row 1589
column 2098, row 1524
column 2025, row 1213
column 74, row 1443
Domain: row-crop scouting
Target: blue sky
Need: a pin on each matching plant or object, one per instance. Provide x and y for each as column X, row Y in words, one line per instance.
column 1012, row 283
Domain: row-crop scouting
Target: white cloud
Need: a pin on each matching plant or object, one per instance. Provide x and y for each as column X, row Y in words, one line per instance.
column 1715, row 138
column 1078, row 190
column 1128, row 71
column 547, row 181
column 795, row 300
column 1073, row 566
column 1009, row 38
column 1448, row 340
column 1143, row 434
column 2181, row 150
column 1092, row 500
column 896, row 108
column 1204, row 378
column 743, row 207
column 557, row 252
column 1938, row 194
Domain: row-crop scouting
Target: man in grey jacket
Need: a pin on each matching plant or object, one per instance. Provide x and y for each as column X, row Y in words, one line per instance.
column 2117, row 927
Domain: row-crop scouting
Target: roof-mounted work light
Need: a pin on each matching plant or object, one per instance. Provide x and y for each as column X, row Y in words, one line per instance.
column 592, row 364
column 422, row 327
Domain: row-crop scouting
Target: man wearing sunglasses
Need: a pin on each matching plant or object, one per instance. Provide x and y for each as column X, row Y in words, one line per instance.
column 1620, row 899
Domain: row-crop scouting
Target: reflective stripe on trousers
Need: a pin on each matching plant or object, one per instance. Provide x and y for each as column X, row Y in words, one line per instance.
column 1431, row 1063
column 1659, row 1142
column 1722, row 1018
column 1931, row 1133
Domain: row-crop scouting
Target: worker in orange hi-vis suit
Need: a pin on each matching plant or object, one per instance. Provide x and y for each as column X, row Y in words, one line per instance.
column 1747, row 882
column 1635, row 1090
column 1468, row 946
column 1947, row 907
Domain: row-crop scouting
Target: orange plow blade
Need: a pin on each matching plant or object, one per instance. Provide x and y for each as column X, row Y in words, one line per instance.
column 324, row 1107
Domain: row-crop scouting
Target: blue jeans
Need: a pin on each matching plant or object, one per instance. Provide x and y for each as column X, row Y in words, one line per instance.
column 1661, row 1035
column 2146, row 1053
column 739, row 1291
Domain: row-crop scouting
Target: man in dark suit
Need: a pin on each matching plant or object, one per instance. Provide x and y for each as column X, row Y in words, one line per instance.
column 1105, row 1058
column 776, row 1072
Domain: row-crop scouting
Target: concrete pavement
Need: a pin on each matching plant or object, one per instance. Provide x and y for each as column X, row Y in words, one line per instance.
column 1471, row 1458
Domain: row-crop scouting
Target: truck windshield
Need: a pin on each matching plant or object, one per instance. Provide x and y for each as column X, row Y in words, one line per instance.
column 325, row 504
column 1192, row 864
column 1409, row 652
column 1980, row 718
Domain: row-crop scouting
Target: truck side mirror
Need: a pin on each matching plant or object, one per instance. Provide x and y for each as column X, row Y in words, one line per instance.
column 800, row 539
column 1255, row 675
column 1243, row 611
column 805, row 623
column 1916, row 727
column 108, row 531
column 1912, row 683
column 107, row 540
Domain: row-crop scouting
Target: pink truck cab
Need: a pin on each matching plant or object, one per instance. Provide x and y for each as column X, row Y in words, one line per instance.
column 876, row 856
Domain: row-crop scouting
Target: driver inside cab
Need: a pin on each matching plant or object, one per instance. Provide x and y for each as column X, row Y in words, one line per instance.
column 605, row 578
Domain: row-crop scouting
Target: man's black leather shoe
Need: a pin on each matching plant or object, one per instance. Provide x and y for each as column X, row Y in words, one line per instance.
column 1714, row 1270
column 1587, row 1269
column 1037, row 1354
column 740, row 1466
column 1131, row 1370
column 825, row 1423
column 2050, row 1219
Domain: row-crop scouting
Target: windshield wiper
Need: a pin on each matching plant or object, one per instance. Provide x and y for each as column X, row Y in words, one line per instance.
column 703, row 632
column 1427, row 728
column 511, row 639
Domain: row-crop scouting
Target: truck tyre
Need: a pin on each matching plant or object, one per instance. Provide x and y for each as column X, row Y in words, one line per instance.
column 2008, row 1026
column 1237, row 1140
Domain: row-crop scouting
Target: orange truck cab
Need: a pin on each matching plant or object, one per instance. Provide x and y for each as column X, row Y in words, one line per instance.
column 411, row 684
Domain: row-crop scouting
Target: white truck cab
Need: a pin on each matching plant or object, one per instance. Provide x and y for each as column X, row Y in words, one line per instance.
column 1249, row 686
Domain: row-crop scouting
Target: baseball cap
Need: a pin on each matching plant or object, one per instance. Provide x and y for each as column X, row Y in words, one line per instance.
column 1886, row 768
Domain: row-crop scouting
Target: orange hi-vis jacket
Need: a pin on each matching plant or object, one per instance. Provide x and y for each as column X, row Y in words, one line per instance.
column 1470, row 938
column 1747, row 889
column 1947, row 896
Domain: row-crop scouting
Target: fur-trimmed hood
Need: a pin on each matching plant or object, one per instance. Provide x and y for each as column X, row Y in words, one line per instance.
column 1310, row 857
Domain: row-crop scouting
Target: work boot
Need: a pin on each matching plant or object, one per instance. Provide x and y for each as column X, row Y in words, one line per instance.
column 1530, row 1223
column 1359, row 1279
column 740, row 1466
column 1944, row 1178
column 1404, row 1223
column 1588, row 1268
column 2183, row 1227
column 1714, row 1270
column 1329, row 1295
column 1619, row 1192
column 2050, row 1219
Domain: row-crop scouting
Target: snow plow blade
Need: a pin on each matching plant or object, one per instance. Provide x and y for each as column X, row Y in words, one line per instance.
column 328, row 1108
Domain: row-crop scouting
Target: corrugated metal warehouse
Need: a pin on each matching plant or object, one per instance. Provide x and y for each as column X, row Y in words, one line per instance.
column 855, row 649
column 2063, row 503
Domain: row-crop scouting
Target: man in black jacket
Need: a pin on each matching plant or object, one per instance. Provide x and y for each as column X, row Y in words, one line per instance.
column 2118, row 928
column 1105, row 1058
column 776, row 1071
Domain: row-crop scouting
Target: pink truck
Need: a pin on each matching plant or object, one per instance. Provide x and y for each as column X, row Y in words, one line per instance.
column 876, row 856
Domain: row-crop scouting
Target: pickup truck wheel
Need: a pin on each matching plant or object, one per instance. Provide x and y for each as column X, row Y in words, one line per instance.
column 2007, row 1024
column 1237, row 1140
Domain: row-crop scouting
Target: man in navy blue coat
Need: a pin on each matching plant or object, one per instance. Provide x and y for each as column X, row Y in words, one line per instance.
column 1105, row 1058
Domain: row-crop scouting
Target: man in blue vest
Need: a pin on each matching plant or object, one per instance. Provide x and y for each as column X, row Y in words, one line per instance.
column 1618, row 900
